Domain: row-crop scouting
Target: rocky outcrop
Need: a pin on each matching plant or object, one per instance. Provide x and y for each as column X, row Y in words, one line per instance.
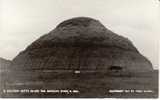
column 81, row 44
column 4, row 64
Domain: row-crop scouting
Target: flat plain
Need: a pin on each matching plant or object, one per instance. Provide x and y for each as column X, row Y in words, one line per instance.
column 81, row 85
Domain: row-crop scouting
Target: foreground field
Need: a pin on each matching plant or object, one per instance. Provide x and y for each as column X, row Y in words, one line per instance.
column 89, row 85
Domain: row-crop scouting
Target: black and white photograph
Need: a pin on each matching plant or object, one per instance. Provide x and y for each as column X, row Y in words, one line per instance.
column 79, row 48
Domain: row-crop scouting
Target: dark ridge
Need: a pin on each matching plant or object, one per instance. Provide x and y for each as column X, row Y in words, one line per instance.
column 78, row 21
column 81, row 42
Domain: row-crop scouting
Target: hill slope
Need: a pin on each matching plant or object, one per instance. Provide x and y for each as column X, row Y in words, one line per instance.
column 4, row 64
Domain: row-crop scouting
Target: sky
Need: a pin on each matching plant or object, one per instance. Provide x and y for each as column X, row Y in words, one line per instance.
column 24, row 21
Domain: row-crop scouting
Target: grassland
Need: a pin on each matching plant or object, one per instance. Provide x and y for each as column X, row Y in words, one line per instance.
column 88, row 85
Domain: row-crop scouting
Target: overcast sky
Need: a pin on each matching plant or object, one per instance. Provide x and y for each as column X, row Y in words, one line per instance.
column 23, row 21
